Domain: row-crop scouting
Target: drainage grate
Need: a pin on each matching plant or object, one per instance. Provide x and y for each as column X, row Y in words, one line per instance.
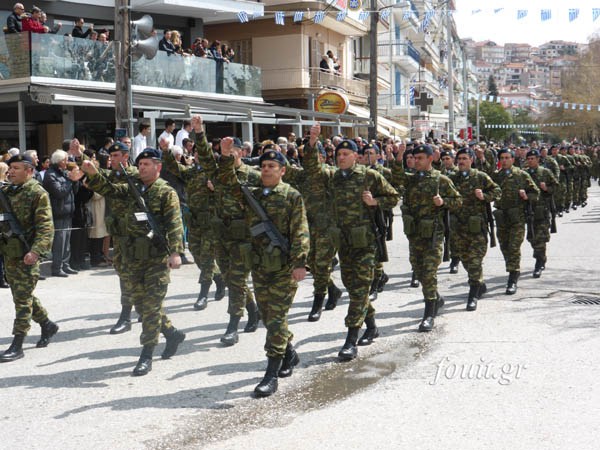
column 585, row 300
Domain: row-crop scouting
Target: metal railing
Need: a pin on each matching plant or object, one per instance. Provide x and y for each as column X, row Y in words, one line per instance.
column 399, row 48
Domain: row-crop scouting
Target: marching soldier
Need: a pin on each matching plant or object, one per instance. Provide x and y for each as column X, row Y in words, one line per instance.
column 427, row 194
column 469, row 223
column 569, row 173
column 27, row 205
column 277, row 267
column 449, row 169
column 517, row 189
column 546, row 183
column 150, row 254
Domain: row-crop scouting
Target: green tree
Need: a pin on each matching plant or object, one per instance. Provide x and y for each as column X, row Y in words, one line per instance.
column 491, row 113
column 492, row 88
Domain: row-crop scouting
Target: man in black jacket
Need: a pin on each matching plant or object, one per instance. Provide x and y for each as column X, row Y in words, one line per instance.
column 62, row 198
column 78, row 29
column 13, row 22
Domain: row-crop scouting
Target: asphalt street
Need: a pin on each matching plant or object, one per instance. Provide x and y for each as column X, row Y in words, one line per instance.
column 517, row 373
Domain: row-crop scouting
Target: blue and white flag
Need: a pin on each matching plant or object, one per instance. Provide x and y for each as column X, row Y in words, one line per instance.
column 243, row 17
column 595, row 14
column 280, row 18
column 363, row 15
column 319, row 17
column 385, row 14
column 411, row 95
column 546, row 14
column 497, row 10
column 521, row 14
column 589, row 107
column 341, row 16
column 407, row 14
column 298, row 16
column 573, row 14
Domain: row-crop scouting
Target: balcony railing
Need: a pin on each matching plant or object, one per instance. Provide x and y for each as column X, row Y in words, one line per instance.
column 399, row 48
column 63, row 57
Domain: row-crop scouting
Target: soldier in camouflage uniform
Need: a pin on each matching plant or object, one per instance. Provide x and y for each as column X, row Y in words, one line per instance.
column 570, row 174
column 585, row 169
column 275, row 271
column 517, row 188
column 469, row 223
column 230, row 231
column 560, row 194
column 546, row 182
column 427, row 194
column 449, row 169
column 314, row 187
column 485, row 158
column 30, row 205
column 200, row 197
column 148, row 262
column 355, row 190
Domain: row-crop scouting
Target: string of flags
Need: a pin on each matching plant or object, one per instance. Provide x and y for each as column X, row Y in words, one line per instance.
column 535, row 103
column 525, row 126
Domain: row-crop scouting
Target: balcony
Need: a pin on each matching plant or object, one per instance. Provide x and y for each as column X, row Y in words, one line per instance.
column 401, row 53
column 90, row 64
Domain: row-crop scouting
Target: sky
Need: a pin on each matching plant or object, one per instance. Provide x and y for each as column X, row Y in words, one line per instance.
column 503, row 26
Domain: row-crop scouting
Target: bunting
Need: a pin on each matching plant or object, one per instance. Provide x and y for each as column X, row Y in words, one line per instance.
column 319, row 17
column 573, row 14
column 280, row 18
column 243, row 17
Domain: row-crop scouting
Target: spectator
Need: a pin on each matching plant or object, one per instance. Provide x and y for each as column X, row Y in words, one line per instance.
column 103, row 37
column 199, row 47
column 326, row 64
column 3, row 283
column 34, row 23
column 335, row 65
column 176, row 41
column 283, row 143
column 184, row 133
column 34, row 157
column 215, row 51
column 140, row 141
column 127, row 141
column 165, row 43
column 97, row 233
column 78, row 29
column 62, row 198
column 14, row 22
column 188, row 148
column 55, row 29
column 82, row 220
column 12, row 152
column 94, row 36
column 44, row 165
column 167, row 135
column 227, row 52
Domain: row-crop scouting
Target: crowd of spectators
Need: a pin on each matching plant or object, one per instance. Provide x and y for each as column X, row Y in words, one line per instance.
column 171, row 44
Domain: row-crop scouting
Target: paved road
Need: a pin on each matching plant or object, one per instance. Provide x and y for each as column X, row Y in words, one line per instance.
column 518, row 373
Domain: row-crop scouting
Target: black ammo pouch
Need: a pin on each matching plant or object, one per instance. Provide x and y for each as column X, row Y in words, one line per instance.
column 237, row 230
column 540, row 213
column 142, row 249
column 359, row 237
column 499, row 217
column 201, row 219
column 335, row 234
column 12, row 247
column 409, row 224
column 426, row 228
column 514, row 215
column 475, row 224
column 272, row 261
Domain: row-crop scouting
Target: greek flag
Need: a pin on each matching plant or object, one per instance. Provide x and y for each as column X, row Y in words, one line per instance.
column 243, row 16
column 497, row 10
column 364, row 15
column 595, row 14
column 546, row 14
column 319, row 16
column 521, row 13
column 341, row 16
column 573, row 14
column 407, row 15
column 280, row 18
column 411, row 93
column 385, row 13
column 298, row 15
column 589, row 107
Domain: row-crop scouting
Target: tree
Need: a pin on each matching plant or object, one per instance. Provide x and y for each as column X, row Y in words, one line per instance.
column 491, row 113
column 492, row 88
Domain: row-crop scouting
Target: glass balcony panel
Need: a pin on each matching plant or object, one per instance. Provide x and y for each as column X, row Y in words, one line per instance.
column 14, row 56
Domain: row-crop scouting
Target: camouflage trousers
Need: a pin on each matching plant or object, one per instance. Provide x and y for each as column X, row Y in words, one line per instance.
column 320, row 255
column 510, row 237
column 357, row 267
column 471, row 249
column 425, row 259
column 585, row 184
column 149, row 281
column 202, row 246
column 235, row 274
column 576, row 191
column 559, row 195
column 569, row 193
column 119, row 263
column 378, row 270
column 275, row 293
column 23, row 279
column 541, row 238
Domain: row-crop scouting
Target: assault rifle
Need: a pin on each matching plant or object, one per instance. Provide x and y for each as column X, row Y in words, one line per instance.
column 529, row 216
column 379, row 226
column 15, row 226
column 266, row 226
column 552, row 214
column 491, row 223
column 446, row 221
column 154, row 233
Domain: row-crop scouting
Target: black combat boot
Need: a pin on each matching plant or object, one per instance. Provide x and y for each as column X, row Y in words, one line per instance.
column 144, row 364
column 268, row 385
column 317, row 306
column 333, row 295
column 482, row 290
column 382, row 282
column 290, row 360
column 511, row 287
column 370, row 333
column 428, row 316
column 349, row 350
column 49, row 329
column 15, row 351
column 373, row 290
column 220, row 282
column 124, row 322
column 537, row 271
column 174, row 337
column 454, row 261
column 472, row 299
column 231, row 334
column 413, row 281
column 202, row 301
column 253, row 317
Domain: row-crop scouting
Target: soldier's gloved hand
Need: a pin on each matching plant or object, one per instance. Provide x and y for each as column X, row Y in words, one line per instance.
column 479, row 194
column 438, row 200
column 315, row 132
column 174, row 261
column 523, row 194
column 299, row 273
column 30, row 258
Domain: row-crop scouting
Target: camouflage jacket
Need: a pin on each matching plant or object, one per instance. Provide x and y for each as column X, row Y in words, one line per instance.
column 466, row 183
column 511, row 181
column 284, row 206
column 551, row 164
column 162, row 202
column 117, row 207
column 488, row 164
column 543, row 175
column 30, row 204
column 449, row 172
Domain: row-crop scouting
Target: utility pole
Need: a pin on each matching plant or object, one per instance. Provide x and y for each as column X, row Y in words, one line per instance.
column 450, row 74
column 123, row 103
column 373, row 70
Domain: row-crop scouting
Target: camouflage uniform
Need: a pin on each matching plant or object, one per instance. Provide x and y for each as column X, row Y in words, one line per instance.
column 488, row 164
column 570, row 173
column 468, row 225
column 271, row 271
column 586, row 169
column 510, row 213
column 146, row 264
column 541, row 210
column 31, row 206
